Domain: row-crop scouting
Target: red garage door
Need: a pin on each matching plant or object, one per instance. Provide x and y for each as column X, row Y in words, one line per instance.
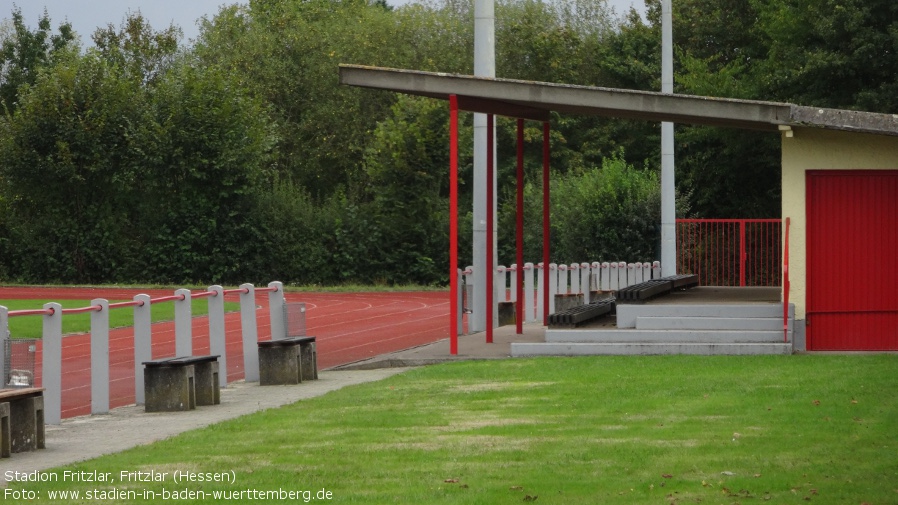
column 852, row 244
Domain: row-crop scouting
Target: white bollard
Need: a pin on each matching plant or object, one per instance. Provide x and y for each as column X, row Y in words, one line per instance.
column 622, row 274
column 647, row 271
column 613, row 277
column 656, row 270
column 143, row 343
column 250, row 333
column 574, row 270
column 99, row 357
column 562, row 282
column 52, row 363
column 605, row 277
column 217, row 344
column 637, row 272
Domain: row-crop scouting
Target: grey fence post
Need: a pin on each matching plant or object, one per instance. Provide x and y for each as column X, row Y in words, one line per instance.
column 51, row 366
column 217, row 344
column 250, row 333
column 527, row 272
column 183, row 324
column 99, row 357
column 143, row 343
column 461, row 305
column 4, row 337
column 574, row 270
column 513, row 282
column 540, row 290
column 276, row 310
column 584, row 282
column 553, row 287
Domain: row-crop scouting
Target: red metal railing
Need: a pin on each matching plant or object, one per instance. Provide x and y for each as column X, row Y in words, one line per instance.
column 730, row 252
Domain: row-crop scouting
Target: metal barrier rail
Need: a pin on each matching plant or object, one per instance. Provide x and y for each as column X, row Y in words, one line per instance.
column 52, row 313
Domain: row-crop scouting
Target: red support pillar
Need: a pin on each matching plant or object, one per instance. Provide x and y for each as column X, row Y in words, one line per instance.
column 490, row 204
column 519, row 234
column 453, row 225
column 546, row 227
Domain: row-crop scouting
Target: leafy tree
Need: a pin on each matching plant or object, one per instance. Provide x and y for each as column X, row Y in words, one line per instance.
column 68, row 158
column 24, row 52
column 143, row 53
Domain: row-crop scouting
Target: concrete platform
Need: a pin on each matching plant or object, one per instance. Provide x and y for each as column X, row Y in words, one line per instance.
column 470, row 347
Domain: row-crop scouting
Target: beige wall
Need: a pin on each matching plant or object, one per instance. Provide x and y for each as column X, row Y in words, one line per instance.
column 815, row 149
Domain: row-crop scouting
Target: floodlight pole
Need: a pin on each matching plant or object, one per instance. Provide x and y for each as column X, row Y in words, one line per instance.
column 484, row 66
column 668, row 181
column 453, row 225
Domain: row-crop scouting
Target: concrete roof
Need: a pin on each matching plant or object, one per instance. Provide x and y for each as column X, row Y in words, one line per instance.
column 535, row 100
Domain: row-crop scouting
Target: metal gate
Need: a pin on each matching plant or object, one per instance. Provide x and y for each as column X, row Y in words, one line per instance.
column 852, row 278
column 730, row 252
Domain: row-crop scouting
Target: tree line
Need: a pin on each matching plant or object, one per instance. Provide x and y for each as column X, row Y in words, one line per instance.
column 239, row 158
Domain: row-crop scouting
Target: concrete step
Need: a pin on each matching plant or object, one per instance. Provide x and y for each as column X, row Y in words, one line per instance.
column 641, row 349
column 611, row 335
column 628, row 313
column 711, row 323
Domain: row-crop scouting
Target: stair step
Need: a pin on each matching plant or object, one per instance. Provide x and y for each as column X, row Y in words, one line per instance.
column 627, row 313
column 610, row 335
column 520, row 349
column 710, row 323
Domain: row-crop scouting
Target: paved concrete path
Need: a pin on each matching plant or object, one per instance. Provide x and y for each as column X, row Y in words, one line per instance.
column 87, row 437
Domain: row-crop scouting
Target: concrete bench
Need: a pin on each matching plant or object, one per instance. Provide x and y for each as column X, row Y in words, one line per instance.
column 181, row 383
column 21, row 420
column 287, row 361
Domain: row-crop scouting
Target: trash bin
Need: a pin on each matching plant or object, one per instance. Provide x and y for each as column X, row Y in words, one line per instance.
column 19, row 357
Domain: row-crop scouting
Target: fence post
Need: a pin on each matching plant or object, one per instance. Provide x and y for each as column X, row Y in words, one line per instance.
column 540, row 291
column 276, row 310
column 460, row 304
column 183, row 324
column 499, row 282
column 584, row 281
column 529, row 312
column 469, row 291
column 656, row 270
column 4, row 338
column 143, row 343
column 553, row 286
column 217, row 332
column 574, row 270
column 51, row 365
column 513, row 285
column 99, row 357
column 561, row 276
column 622, row 273
column 250, row 333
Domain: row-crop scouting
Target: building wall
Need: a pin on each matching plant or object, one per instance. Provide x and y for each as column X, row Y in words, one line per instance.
column 816, row 149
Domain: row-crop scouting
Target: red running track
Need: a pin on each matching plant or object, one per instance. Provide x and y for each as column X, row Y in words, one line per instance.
column 348, row 327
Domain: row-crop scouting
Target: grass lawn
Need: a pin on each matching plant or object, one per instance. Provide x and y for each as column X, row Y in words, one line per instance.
column 32, row 326
column 598, row 430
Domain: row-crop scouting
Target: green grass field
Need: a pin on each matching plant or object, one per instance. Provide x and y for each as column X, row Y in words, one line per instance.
column 32, row 326
column 610, row 430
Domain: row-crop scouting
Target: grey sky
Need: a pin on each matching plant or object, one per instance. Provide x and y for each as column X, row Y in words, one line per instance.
column 87, row 15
